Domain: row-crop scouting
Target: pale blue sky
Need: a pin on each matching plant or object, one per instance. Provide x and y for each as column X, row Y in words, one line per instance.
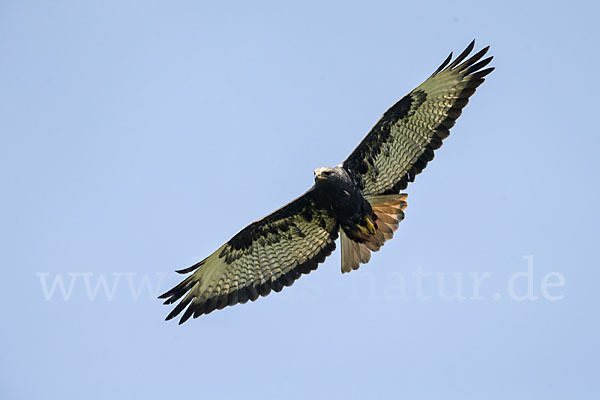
column 137, row 137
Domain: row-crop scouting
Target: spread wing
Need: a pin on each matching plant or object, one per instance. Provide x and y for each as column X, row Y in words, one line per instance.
column 266, row 255
column 401, row 144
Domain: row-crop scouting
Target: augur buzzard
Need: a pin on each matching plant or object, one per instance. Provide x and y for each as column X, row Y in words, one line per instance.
column 359, row 200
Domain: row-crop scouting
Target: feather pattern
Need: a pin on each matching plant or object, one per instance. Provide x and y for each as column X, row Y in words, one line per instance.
column 402, row 142
column 266, row 255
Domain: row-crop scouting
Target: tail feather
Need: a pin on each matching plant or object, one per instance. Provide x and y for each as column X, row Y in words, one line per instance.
column 350, row 259
column 389, row 211
column 365, row 254
column 387, row 219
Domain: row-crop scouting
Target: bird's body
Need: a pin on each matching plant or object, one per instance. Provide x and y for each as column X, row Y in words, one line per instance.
column 337, row 193
column 359, row 200
column 363, row 229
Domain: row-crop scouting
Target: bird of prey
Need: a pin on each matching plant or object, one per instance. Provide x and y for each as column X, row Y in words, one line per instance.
column 359, row 200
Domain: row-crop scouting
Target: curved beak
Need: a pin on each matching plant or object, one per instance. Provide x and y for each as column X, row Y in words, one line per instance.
column 319, row 175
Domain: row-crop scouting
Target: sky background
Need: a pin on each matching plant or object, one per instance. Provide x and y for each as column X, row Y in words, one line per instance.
column 137, row 137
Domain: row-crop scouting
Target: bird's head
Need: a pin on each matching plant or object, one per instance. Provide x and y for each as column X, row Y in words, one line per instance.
column 324, row 174
column 327, row 175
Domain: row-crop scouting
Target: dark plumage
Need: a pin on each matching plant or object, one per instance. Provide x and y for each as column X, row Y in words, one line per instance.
column 358, row 200
column 338, row 194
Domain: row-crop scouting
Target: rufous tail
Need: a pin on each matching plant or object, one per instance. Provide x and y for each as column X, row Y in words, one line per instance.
column 389, row 210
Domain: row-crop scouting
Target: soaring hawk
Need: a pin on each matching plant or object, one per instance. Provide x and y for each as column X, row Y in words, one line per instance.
column 358, row 200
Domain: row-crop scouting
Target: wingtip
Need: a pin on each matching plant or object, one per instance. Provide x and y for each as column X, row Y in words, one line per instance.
column 185, row 317
column 470, row 47
column 462, row 55
column 192, row 268
column 171, row 315
column 484, row 72
column 443, row 65
column 163, row 296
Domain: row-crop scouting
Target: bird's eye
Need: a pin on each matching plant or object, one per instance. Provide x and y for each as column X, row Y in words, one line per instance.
column 326, row 173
